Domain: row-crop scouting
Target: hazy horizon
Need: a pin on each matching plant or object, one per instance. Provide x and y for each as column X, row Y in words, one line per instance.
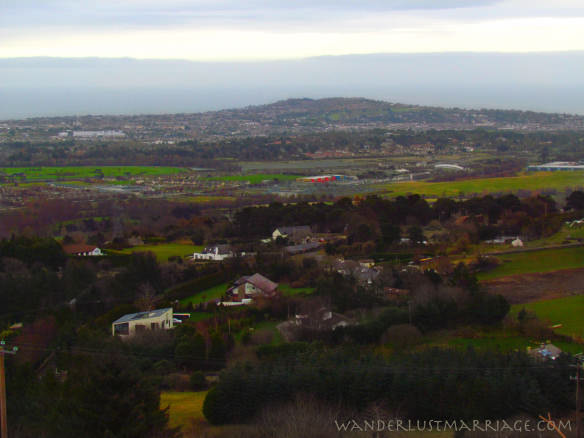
column 43, row 86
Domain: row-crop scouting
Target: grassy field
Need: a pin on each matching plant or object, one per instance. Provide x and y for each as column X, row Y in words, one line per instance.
column 568, row 311
column 290, row 291
column 184, row 407
column 79, row 172
column 546, row 260
column 254, row 178
column 503, row 340
column 206, row 295
column 528, row 181
column 163, row 251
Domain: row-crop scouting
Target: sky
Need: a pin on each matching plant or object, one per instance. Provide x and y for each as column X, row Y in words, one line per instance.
column 255, row 30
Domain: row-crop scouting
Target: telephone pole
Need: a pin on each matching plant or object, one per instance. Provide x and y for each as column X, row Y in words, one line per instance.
column 578, row 378
column 3, row 421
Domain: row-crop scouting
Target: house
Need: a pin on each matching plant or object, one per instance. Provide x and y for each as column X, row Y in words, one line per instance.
column 299, row 234
column 302, row 248
column 322, row 319
column 545, row 351
column 249, row 287
column 80, row 249
column 216, row 253
column 362, row 274
column 132, row 323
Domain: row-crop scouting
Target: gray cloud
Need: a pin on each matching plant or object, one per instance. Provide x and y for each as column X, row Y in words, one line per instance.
column 148, row 13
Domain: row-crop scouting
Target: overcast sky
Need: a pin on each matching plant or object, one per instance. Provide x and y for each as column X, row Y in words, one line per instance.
column 223, row 30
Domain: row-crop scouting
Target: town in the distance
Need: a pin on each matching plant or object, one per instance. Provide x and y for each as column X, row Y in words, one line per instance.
column 280, row 270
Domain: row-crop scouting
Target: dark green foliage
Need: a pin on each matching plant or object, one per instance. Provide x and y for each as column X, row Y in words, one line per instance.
column 102, row 396
column 432, row 384
column 575, row 201
column 197, row 381
column 33, row 250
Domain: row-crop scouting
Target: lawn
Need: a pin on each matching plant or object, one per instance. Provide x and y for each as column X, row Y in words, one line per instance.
column 163, row 251
column 527, row 181
column 290, row 291
column 184, row 407
column 80, row 172
column 255, row 178
column 502, row 340
column 206, row 295
column 568, row 311
column 546, row 260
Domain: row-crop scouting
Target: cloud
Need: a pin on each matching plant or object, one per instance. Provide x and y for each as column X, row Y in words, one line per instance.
column 268, row 29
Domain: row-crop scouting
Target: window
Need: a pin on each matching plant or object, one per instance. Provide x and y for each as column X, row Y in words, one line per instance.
column 154, row 325
column 122, row 329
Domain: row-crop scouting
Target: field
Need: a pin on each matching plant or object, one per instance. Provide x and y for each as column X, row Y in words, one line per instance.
column 163, row 251
column 206, row 295
column 254, row 178
column 546, row 260
column 184, row 407
column 503, row 340
column 568, row 311
column 290, row 291
column 81, row 172
column 528, row 181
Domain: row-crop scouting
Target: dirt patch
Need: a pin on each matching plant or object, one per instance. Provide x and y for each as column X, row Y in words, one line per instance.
column 518, row 289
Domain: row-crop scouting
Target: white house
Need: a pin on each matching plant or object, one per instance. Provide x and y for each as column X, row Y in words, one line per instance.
column 132, row 323
column 79, row 249
column 215, row 252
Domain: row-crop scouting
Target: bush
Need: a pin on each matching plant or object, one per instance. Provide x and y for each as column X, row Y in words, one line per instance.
column 198, row 381
column 401, row 336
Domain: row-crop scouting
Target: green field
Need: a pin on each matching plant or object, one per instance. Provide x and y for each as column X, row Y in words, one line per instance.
column 184, row 407
column 568, row 311
column 503, row 340
column 290, row 291
column 528, row 181
column 546, row 260
column 254, row 178
column 67, row 173
column 163, row 251
column 206, row 295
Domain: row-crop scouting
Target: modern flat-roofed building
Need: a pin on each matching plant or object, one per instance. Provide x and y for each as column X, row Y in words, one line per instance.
column 132, row 323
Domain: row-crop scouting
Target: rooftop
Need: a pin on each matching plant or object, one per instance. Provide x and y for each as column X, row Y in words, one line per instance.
column 142, row 315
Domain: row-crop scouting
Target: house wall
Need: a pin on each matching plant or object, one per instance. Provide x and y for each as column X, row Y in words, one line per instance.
column 164, row 322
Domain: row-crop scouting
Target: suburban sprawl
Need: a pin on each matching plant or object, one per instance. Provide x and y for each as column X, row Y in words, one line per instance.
column 272, row 271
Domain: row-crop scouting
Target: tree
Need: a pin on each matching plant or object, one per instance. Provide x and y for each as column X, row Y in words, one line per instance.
column 416, row 234
column 575, row 201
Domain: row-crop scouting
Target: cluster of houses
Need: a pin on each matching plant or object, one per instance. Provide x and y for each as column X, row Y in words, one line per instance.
column 300, row 238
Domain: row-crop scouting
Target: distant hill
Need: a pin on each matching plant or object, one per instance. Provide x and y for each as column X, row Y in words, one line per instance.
column 300, row 116
column 359, row 111
column 549, row 82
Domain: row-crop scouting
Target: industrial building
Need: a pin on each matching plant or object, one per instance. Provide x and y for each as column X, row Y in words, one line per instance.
column 326, row 178
column 556, row 165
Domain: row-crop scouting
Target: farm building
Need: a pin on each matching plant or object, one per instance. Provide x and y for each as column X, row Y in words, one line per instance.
column 255, row 285
column 555, row 166
column 326, row 178
column 132, row 323
column 80, row 249
column 215, row 252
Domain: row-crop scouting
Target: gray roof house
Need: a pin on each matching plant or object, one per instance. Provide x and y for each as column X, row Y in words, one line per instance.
column 132, row 323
